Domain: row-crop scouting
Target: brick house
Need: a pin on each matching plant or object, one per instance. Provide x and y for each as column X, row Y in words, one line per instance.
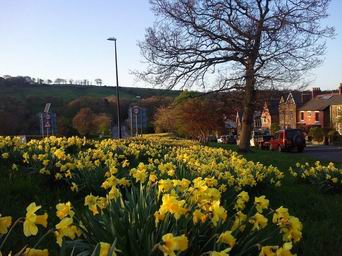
column 336, row 120
column 289, row 105
column 324, row 110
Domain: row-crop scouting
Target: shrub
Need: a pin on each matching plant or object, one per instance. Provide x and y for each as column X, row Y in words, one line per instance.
column 334, row 137
column 317, row 134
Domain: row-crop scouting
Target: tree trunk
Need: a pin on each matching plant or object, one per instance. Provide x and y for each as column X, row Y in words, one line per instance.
column 248, row 109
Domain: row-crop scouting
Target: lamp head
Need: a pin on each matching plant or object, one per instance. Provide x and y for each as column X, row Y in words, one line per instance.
column 111, row 39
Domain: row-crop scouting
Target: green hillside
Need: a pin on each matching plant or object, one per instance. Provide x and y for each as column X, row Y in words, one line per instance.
column 70, row 92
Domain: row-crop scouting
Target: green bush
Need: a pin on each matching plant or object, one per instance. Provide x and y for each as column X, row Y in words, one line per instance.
column 334, row 137
column 317, row 134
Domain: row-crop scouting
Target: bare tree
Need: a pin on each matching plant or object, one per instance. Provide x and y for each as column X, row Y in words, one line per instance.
column 98, row 81
column 59, row 81
column 234, row 44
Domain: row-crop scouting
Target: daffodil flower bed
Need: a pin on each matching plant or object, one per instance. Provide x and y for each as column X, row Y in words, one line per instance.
column 327, row 177
column 150, row 196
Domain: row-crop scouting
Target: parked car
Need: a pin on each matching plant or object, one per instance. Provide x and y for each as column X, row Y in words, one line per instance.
column 211, row 138
column 257, row 136
column 263, row 142
column 227, row 139
column 288, row 139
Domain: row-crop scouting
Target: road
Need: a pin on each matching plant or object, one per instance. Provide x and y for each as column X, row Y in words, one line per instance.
column 324, row 153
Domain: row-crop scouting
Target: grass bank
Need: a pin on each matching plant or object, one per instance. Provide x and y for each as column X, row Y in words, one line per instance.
column 320, row 212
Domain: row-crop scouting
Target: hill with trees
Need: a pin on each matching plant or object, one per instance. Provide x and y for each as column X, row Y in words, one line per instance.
column 22, row 98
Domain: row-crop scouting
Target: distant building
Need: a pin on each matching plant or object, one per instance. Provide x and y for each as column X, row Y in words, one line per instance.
column 256, row 120
column 324, row 110
column 270, row 113
column 288, row 108
column 257, row 124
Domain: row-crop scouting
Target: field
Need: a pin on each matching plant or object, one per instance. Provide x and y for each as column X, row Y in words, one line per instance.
column 159, row 195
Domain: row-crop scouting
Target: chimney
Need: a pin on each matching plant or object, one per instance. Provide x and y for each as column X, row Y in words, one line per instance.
column 306, row 96
column 315, row 91
column 340, row 89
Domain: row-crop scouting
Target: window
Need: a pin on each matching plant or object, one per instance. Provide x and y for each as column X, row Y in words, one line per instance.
column 302, row 116
column 339, row 111
column 317, row 116
column 291, row 115
column 339, row 117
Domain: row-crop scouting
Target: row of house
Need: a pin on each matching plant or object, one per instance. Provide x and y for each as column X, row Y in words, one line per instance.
column 303, row 110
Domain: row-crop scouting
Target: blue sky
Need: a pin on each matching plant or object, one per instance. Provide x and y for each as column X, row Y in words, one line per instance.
column 67, row 39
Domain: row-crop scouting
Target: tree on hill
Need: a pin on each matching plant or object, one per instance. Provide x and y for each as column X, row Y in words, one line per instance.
column 98, row 81
column 101, row 124
column 195, row 118
column 83, row 121
column 60, row 81
column 86, row 122
column 164, row 120
column 243, row 44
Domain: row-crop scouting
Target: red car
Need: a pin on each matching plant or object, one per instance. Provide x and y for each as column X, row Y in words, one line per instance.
column 288, row 139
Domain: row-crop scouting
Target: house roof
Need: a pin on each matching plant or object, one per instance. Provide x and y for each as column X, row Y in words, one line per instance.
column 297, row 96
column 273, row 106
column 321, row 102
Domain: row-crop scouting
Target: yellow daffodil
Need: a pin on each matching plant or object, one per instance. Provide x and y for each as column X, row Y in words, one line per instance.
column 268, row 251
column 261, row 203
column 5, row 223
column 219, row 213
column 5, row 155
column 125, row 163
column 66, row 228
column 173, row 243
column 239, row 221
column 114, row 193
column 74, row 187
column 292, row 230
column 227, row 238
column 259, row 221
column 170, row 204
column 64, row 210
column 91, row 202
column 31, row 219
column 241, row 201
column 105, row 248
column 225, row 252
column 198, row 216
column 36, row 252
column 60, row 154
column 285, row 250
column 123, row 182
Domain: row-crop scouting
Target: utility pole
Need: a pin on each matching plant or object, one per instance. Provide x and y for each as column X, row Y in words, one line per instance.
column 117, row 86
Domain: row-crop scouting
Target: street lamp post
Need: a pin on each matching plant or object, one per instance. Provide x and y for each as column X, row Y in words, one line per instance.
column 117, row 85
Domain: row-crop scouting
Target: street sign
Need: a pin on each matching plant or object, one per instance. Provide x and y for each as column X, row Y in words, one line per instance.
column 136, row 110
column 48, row 123
column 47, row 107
